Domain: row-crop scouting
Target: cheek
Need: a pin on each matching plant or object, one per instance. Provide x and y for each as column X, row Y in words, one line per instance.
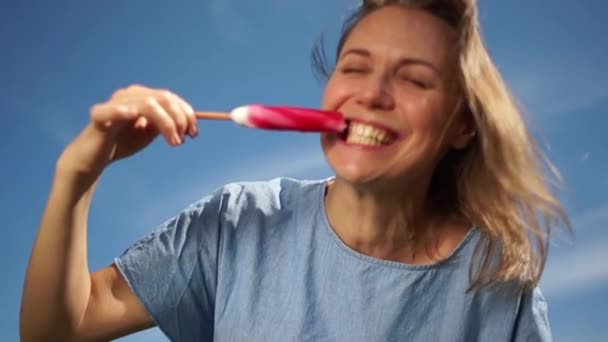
column 335, row 94
column 424, row 113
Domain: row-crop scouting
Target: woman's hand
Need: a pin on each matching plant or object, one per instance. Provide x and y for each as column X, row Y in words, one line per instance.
column 125, row 124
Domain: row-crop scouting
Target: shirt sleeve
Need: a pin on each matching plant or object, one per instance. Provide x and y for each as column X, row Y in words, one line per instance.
column 173, row 270
column 532, row 321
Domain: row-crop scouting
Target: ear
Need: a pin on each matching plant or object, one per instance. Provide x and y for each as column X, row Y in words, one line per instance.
column 463, row 132
column 462, row 139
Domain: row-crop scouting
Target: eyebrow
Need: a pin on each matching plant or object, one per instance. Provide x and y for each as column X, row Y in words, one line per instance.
column 402, row 61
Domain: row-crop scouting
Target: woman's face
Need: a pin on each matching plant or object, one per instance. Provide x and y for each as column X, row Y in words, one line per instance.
column 394, row 81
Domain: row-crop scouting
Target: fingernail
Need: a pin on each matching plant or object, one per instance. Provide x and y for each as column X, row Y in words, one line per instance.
column 141, row 123
column 176, row 139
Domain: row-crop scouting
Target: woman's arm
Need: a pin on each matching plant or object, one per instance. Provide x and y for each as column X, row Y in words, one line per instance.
column 62, row 300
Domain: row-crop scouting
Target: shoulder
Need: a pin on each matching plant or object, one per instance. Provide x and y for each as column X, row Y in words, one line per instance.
column 532, row 319
column 533, row 303
column 267, row 196
column 256, row 215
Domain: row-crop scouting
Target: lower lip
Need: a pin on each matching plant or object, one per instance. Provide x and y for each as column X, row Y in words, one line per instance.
column 365, row 147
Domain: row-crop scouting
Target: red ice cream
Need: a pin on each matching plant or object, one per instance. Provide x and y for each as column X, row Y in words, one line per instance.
column 289, row 118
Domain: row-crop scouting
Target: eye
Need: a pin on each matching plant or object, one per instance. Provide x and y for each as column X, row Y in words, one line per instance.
column 353, row 69
column 416, row 81
column 420, row 84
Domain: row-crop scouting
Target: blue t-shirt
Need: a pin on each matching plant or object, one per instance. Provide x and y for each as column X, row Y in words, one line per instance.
column 259, row 262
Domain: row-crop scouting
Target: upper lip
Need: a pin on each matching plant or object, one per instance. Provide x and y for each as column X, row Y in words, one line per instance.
column 352, row 118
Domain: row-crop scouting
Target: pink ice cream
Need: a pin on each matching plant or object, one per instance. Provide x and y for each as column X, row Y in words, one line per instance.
column 289, row 118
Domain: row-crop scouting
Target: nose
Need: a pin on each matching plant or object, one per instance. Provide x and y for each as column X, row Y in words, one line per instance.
column 375, row 93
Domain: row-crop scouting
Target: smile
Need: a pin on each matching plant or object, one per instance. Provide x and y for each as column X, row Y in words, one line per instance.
column 366, row 134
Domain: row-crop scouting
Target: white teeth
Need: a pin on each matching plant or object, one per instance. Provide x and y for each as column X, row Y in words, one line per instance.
column 367, row 135
column 360, row 140
column 382, row 136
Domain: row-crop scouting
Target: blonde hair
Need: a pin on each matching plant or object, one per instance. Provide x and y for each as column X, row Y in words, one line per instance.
column 501, row 181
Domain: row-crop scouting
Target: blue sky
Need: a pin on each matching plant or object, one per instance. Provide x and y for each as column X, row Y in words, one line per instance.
column 58, row 58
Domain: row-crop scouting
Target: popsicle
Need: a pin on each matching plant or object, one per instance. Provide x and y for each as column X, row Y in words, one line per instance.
column 281, row 118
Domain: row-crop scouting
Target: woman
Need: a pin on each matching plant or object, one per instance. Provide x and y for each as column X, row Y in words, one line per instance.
column 429, row 230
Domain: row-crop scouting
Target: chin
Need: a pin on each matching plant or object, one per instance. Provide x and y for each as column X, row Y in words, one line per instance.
column 360, row 175
column 384, row 168
column 355, row 177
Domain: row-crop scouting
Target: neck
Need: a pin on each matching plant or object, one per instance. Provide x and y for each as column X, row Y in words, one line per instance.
column 387, row 224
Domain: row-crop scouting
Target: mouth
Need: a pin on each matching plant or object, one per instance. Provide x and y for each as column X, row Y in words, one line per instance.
column 368, row 134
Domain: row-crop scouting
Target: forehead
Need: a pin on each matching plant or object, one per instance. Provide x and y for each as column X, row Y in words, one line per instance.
column 399, row 31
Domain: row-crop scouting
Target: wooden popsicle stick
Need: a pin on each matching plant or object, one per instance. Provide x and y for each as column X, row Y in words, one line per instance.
column 213, row 115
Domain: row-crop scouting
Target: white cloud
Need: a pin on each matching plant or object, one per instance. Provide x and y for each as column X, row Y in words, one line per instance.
column 551, row 89
column 582, row 335
column 231, row 22
column 583, row 265
column 258, row 167
column 583, row 268
column 309, row 9
column 234, row 21
column 595, row 219
column 150, row 335
column 60, row 130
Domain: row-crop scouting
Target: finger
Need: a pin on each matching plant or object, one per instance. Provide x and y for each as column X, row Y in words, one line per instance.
column 128, row 92
column 105, row 114
column 158, row 116
column 192, row 121
column 141, row 123
column 143, row 126
column 171, row 105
